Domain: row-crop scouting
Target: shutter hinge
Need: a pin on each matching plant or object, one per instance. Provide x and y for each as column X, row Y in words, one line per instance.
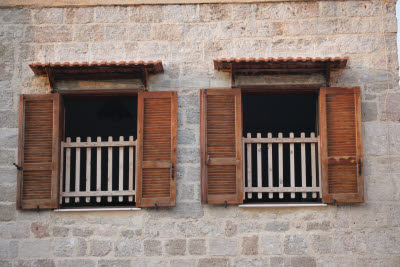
column 208, row 158
column 18, row 167
column 226, row 204
column 37, row 208
column 155, row 206
column 173, row 171
column 359, row 167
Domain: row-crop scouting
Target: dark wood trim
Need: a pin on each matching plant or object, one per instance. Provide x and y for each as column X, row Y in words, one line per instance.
column 105, row 92
column 20, row 150
column 203, row 145
column 281, row 88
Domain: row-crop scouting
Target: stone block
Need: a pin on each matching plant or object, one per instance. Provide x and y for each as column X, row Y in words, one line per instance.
column 223, row 247
column 82, row 231
column 215, row 262
column 167, row 32
column 251, row 262
column 8, row 119
column 199, row 228
column 14, row 230
column 81, row 15
column 369, row 111
column 183, row 262
column 152, row 247
column 15, row 16
column 277, row 226
column 188, row 155
column 230, row 228
column 111, row 14
column 186, row 192
column 5, row 263
column 8, row 249
column 128, row 248
column 77, row 262
column 40, row 230
column 90, row 32
column 116, row 32
column 321, row 244
column 293, row 261
column 7, row 211
column 389, row 108
column 48, row 16
column 59, row 231
column 35, row 263
column 180, row 13
column 323, row 226
column 250, row 245
column 146, row 14
column 100, row 248
column 175, row 247
column 295, row 244
column 185, row 137
column 98, row 51
column 198, row 31
column 68, row 247
column 271, row 244
column 50, row 34
column 72, row 52
column 36, row 249
column 197, row 247
column 114, row 263
column 215, row 12
column 8, row 192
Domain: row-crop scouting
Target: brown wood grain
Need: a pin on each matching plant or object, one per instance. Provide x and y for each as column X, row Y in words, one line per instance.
column 156, row 149
column 39, row 151
column 341, row 145
column 221, row 146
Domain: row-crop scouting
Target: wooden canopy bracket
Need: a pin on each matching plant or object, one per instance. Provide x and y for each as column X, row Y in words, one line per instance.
column 52, row 79
column 145, row 79
column 328, row 75
column 233, row 76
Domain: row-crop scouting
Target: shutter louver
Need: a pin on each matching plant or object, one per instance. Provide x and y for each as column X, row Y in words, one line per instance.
column 156, row 171
column 341, row 145
column 39, row 151
column 221, row 146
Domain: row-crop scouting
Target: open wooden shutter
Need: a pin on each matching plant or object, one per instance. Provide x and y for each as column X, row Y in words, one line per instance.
column 39, row 151
column 156, row 154
column 341, row 145
column 221, row 146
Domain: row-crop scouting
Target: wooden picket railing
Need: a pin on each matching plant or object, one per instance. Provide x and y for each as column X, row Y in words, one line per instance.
column 267, row 178
column 77, row 146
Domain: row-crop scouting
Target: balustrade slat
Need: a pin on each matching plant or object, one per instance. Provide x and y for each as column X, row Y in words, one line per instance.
column 98, row 171
column 303, row 165
column 67, row 169
column 313, row 167
column 259, row 167
column 280, row 161
column 109, row 176
column 249, row 168
column 292, row 175
column 130, row 175
column 77, row 168
column 88, row 167
column 121, row 169
column 270, row 170
column 62, row 171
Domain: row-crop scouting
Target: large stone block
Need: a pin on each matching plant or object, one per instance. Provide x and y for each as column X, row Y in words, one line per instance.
column 111, row 14
column 146, row 14
column 76, row 262
column 321, row 243
column 36, row 249
column 295, row 244
column 223, row 247
column 8, row 192
column 100, row 248
column 40, row 229
column 90, row 32
column 48, row 16
column 183, row 262
column 69, row 247
column 271, row 244
column 114, row 263
column 277, row 226
column 167, row 32
column 197, row 247
column 216, row 262
column 8, row 249
column 34, row 263
column 175, row 247
column 7, row 212
column 215, row 12
column 15, row 16
column 128, row 248
column 250, row 245
column 180, row 13
column 152, row 247
column 49, row 34
column 8, row 119
column 15, row 230
column 80, row 15
column 72, row 52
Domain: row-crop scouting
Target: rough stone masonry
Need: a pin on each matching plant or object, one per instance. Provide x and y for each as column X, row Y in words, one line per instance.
column 187, row 38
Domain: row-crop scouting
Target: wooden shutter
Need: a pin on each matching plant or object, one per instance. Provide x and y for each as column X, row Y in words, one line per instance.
column 39, row 151
column 156, row 154
column 341, row 145
column 221, row 146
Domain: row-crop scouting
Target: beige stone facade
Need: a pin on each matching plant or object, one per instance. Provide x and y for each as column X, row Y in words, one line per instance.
column 187, row 38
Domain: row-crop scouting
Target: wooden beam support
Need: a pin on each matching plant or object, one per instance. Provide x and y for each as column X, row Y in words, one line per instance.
column 328, row 75
column 145, row 78
column 52, row 79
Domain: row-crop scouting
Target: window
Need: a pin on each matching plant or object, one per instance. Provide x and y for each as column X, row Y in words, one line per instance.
column 129, row 158
column 237, row 168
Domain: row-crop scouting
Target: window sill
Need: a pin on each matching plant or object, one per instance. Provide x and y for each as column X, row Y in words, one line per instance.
column 96, row 209
column 282, row 205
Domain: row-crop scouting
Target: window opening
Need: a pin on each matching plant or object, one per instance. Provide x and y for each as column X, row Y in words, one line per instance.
column 277, row 116
column 105, row 117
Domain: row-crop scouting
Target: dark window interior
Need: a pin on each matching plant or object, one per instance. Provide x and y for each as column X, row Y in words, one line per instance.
column 275, row 114
column 100, row 116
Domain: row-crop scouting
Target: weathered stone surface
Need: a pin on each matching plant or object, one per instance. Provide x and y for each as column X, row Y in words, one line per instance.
column 100, row 248
column 114, row 263
column 91, row 32
column 321, row 243
column 271, row 244
column 40, row 230
column 217, row 262
column 183, row 262
column 79, row 15
column 152, row 248
column 295, row 244
column 34, row 263
column 8, row 192
column 277, row 226
column 127, row 248
column 293, row 261
column 223, row 247
column 197, row 247
column 47, row 34
column 250, row 245
column 175, row 247
column 369, row 111
column 7, row 212
column 59, row 231
column 115, row 14
column 35, row 249
column 48, row 16
column 8, row 249
column 68, row 247
column 74, row 263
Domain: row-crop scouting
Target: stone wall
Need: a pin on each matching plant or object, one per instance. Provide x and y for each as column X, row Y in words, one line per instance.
column 186, row 38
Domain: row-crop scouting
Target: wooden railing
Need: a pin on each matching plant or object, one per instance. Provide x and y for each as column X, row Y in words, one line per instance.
column 69, row 147
column 267, row 178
